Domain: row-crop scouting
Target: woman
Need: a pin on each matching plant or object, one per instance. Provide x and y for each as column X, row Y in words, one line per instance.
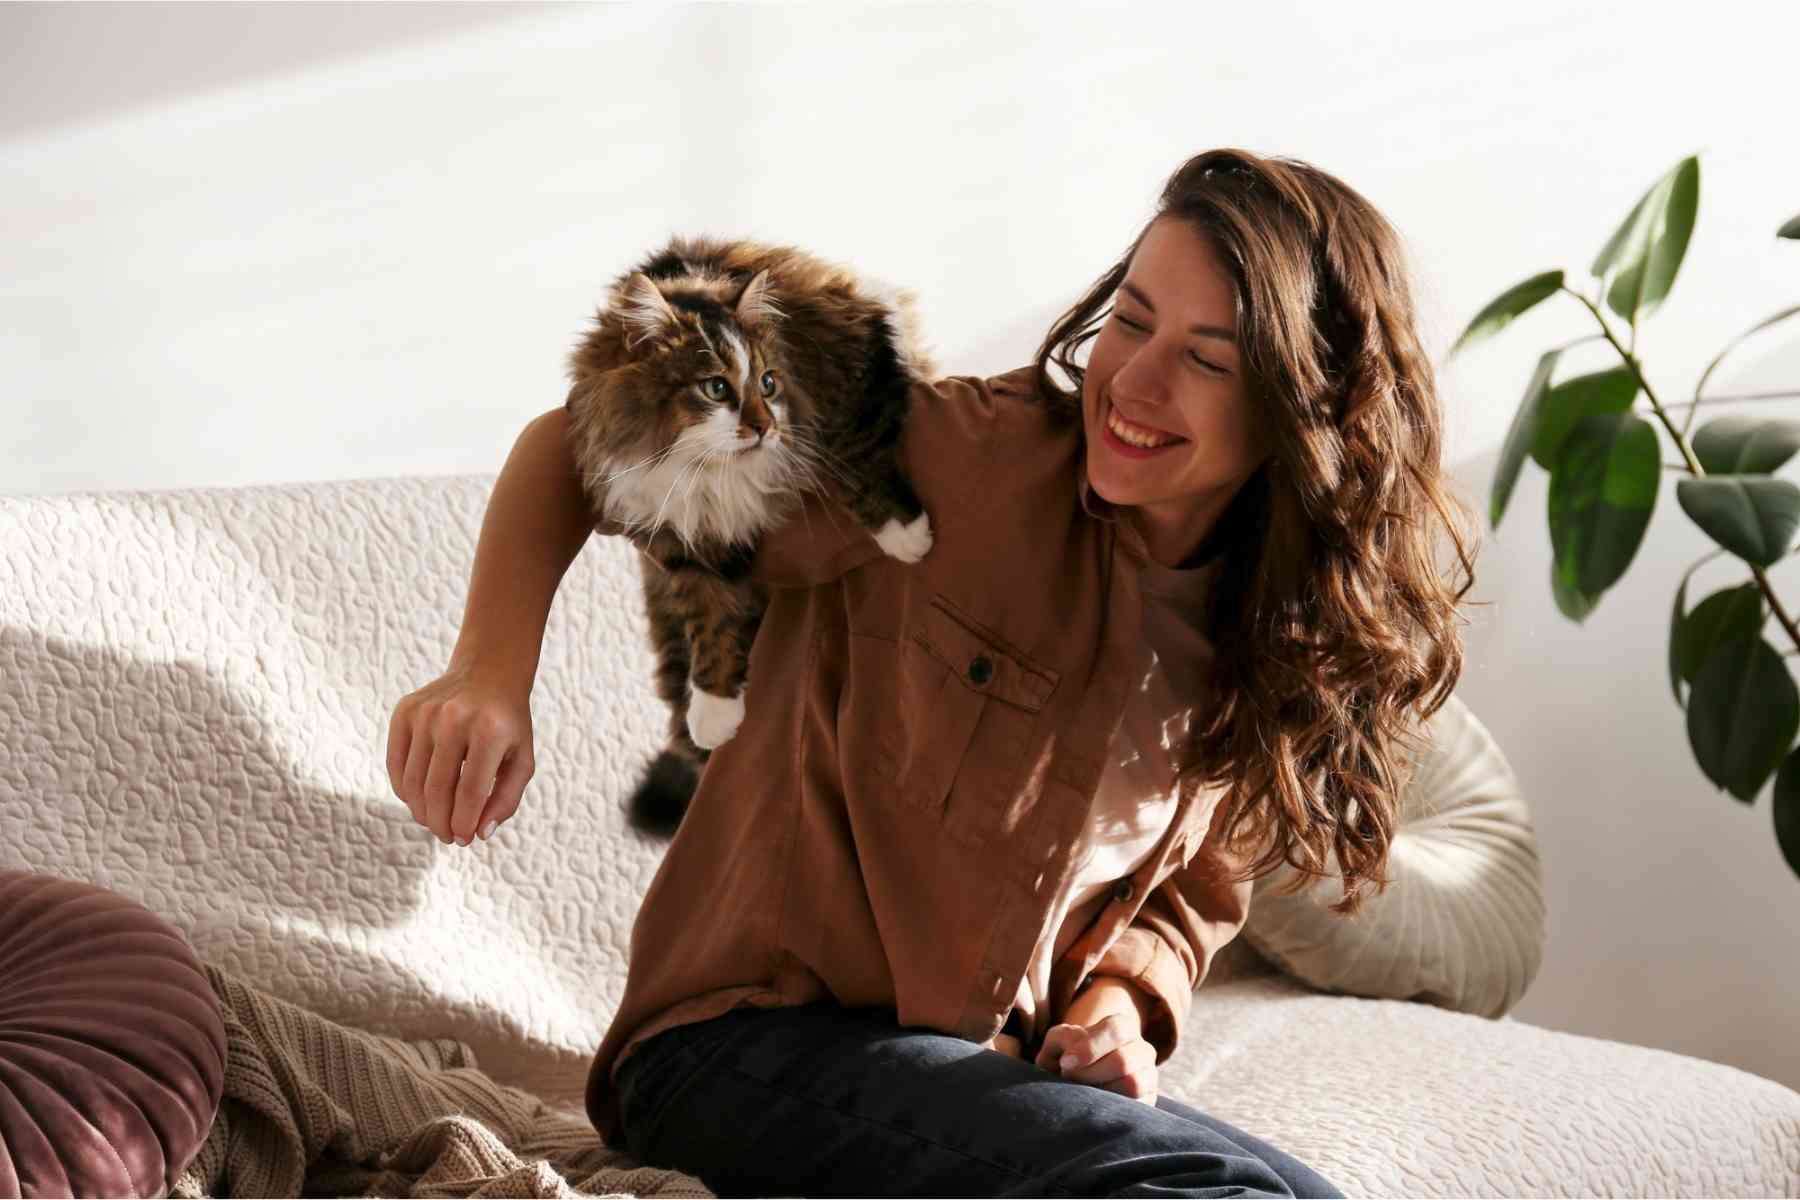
column 938, row 909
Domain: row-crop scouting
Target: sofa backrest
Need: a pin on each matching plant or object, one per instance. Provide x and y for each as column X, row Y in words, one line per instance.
column 195, row 689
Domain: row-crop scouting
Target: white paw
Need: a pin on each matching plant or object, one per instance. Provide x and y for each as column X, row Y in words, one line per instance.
column 908, row 543
column 713, row 719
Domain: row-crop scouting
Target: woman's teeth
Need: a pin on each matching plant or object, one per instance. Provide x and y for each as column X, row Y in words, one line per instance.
column 1136, row 435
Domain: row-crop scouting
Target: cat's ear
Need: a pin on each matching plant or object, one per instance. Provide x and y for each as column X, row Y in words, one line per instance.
column 644, row 309
column 756, row 304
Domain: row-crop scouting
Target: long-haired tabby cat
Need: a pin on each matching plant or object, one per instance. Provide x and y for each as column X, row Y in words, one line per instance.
column 723, row 378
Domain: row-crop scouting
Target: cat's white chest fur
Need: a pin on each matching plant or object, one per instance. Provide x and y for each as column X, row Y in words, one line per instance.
column 703, row 488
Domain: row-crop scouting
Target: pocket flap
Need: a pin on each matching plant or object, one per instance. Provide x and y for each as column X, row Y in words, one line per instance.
column 981, row 659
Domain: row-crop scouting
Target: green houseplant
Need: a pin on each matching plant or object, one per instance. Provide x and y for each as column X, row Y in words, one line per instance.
column 1606, row 468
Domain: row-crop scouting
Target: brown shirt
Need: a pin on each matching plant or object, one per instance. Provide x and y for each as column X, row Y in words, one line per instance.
column 919, row 758
column 1139, row 791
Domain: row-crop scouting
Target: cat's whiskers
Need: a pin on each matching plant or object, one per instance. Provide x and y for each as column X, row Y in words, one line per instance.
column 825, row 459
column 692, row 467
column 707, row 457
column 813, row 459
column 652, row 461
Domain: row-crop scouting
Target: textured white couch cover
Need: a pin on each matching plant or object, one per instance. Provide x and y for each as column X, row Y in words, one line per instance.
column 194, row 695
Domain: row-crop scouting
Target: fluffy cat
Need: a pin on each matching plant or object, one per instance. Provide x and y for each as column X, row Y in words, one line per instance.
column 721, row 380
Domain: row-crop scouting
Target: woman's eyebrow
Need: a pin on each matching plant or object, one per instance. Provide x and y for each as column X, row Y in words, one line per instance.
column 1137, row 293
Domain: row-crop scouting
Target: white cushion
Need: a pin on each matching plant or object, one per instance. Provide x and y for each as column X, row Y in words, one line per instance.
column 1461, row 924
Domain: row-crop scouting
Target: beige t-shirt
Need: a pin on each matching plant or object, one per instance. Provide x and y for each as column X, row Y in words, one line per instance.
column 1137, row 795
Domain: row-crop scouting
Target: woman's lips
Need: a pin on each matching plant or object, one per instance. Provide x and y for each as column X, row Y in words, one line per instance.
column 1129, row 449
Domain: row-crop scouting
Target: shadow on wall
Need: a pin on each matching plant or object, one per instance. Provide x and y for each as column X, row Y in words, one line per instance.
column 68, row 63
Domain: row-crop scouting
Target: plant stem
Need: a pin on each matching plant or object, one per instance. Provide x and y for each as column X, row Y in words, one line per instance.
column 1732, row 399
column 1687, row 453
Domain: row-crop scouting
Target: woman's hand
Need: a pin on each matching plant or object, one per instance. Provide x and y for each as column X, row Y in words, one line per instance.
column 1101, row 1042
column 460, row 753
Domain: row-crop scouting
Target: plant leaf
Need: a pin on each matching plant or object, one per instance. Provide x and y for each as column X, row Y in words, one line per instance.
column 1571, row 601
column 1791, row 229
column 1628, row 237
column 1728, row 615
column 1675, row 623
column 1742, row 716
column 1602, row 392
column 1745, row 445
column 1752, row 516
column 1520, row 436
column 1787, row 807
column 1666, row 222
column 1602, row 492
column 1501, row 310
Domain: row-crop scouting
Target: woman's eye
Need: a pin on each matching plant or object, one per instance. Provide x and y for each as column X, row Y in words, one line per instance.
column 1198, row 361
column 768, row 383
column 717, row 388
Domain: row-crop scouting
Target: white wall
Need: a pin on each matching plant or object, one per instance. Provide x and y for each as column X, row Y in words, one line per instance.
column 246, row 244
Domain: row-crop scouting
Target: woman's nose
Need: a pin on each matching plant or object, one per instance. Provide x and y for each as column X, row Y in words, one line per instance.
column 1140, row 380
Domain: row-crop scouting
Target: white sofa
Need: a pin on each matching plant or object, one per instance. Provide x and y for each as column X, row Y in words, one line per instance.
column 194, row 695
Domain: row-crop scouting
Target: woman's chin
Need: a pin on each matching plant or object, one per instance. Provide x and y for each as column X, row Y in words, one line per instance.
column 1117, row 492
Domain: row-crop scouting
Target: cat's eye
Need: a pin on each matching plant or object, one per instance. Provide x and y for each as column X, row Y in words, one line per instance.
column 768, row 383
column 716, row 388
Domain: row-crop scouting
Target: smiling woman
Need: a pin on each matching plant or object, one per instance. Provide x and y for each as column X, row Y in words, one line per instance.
column 1263, row 322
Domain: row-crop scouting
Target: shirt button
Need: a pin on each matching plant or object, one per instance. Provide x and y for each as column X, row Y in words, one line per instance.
column 1122, row 891
column 981, row 669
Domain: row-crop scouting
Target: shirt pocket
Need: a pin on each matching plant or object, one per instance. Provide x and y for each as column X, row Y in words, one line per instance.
column 966, row 709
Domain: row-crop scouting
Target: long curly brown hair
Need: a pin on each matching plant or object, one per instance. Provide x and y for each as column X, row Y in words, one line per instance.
column 1337, row 632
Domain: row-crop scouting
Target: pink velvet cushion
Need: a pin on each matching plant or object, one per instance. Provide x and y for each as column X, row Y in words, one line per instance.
column 112, row 1046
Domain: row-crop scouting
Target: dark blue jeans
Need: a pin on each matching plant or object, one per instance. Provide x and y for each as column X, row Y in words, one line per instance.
column 817, row 1100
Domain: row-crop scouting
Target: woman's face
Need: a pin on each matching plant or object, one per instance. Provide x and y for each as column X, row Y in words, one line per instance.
column 1170, row 429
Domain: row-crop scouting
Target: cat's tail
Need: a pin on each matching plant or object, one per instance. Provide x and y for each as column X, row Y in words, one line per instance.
column 662, row 796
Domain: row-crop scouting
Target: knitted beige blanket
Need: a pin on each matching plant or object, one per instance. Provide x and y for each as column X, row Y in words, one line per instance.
column 314, row 1108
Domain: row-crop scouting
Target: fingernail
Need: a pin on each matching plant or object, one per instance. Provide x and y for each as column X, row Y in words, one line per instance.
column 1068, row 1061
column 487, row 831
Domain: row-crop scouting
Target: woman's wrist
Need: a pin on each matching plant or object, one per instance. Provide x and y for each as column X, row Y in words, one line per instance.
column 1105, row 995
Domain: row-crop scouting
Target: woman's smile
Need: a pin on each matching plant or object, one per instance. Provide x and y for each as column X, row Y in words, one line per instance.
column 1126, row 437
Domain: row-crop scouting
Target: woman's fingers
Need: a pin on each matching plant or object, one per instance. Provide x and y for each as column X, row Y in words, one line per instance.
column 449, row 746
column 1130, row 1070
column 515, row 773
column 1069, row 1048
column 1108, row 1054
column 480, row 769
column 459, row 754
column 400, row 736
column 412, row 779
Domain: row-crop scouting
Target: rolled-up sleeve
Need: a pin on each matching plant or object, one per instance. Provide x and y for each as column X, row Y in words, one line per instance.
column 1169, row 946
column 944, row 447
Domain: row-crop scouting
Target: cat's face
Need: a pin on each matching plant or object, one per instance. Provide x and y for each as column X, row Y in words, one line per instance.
column 691, row 430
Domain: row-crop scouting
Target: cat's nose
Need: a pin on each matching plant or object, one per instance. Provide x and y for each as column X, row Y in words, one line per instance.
column 756, row 423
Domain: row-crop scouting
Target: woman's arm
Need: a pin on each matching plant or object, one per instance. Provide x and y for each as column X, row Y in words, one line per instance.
column 460, row 748
column 537, row 521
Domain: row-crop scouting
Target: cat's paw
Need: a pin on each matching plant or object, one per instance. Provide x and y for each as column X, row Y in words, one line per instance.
column 909, row 542
column 712, row 720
